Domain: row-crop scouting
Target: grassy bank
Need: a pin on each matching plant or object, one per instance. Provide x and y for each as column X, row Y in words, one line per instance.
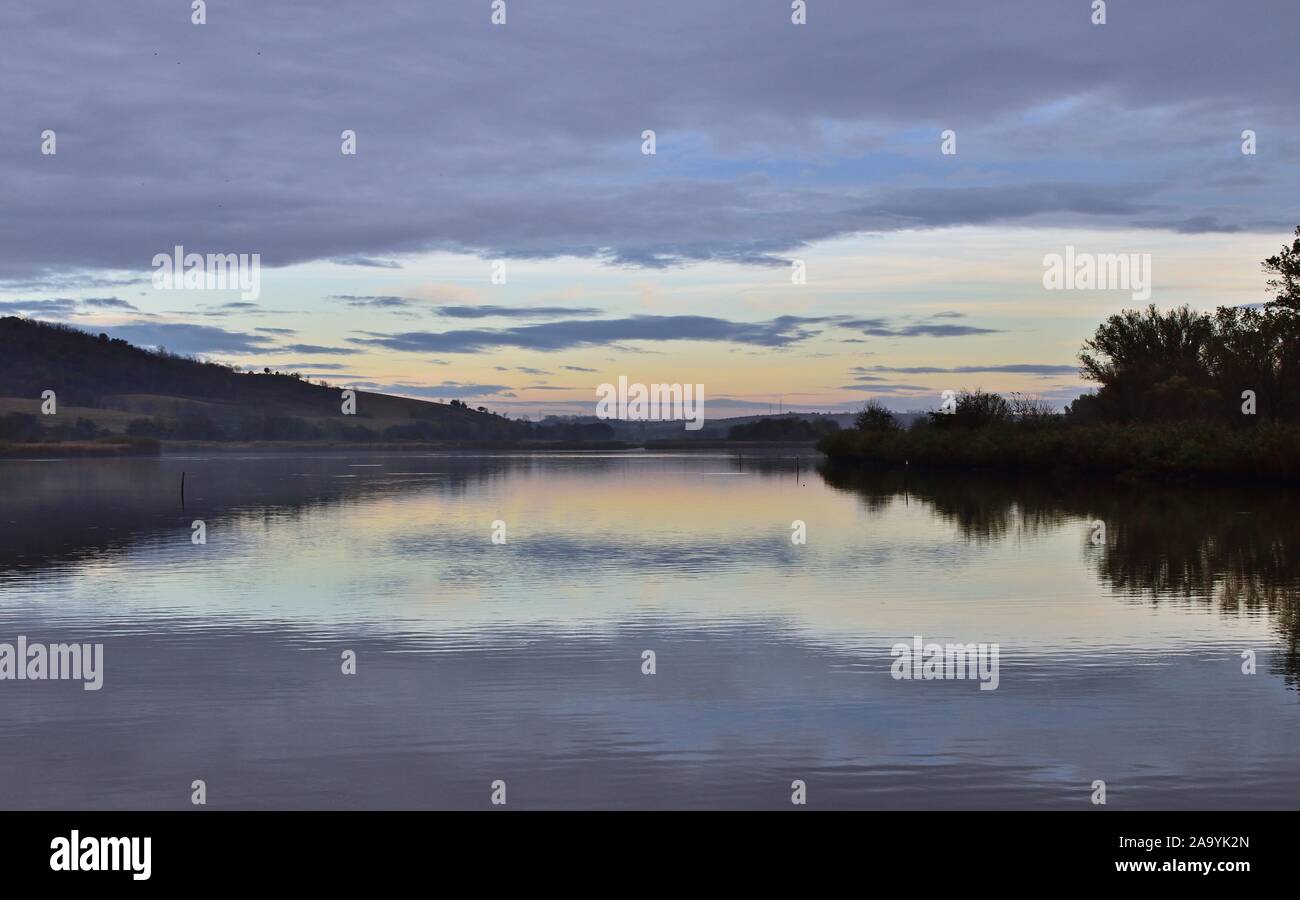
column 385, row 446
column 112, row 446
column 1264, row 451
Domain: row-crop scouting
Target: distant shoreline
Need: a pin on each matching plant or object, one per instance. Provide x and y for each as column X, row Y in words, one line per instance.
column 144, row 449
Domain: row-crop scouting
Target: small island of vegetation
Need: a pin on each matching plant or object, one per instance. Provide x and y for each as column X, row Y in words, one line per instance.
column 1180, row 393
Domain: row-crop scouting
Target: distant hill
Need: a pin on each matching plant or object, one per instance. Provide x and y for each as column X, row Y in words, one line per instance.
column 107, row 386
column 721, row 429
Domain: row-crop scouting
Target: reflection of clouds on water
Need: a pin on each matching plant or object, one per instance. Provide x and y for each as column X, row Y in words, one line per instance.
column 475, row 658
column 570, row 721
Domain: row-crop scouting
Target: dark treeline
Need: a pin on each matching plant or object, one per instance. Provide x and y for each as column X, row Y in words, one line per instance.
column 196, row 424
column 1178, row 391
column 25, row 427
column 783, row 429
column 75, row 437
column 1183, row 366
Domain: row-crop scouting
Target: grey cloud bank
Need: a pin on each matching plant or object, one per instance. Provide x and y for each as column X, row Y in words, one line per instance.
column 778, row 332
column 190, row 339
column 524, row 140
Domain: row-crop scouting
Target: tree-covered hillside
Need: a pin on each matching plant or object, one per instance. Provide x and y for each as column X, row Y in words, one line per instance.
column 113, row 387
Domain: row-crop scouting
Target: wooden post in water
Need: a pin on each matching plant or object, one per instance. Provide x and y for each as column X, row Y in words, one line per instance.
column 182, row 490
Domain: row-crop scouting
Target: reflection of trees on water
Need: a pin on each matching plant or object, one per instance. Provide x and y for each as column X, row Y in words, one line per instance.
column 983, row 509
column 1229, row 550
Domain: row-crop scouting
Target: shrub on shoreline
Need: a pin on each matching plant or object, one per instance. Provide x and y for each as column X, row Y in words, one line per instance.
column 1268, row 450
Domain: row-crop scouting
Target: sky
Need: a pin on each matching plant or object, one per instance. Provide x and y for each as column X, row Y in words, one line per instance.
column 518, row 148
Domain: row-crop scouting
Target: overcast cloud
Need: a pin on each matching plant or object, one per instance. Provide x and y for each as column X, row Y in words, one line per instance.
column 525, row 139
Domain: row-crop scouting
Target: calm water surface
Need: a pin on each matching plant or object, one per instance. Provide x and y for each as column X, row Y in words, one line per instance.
column 522, row 661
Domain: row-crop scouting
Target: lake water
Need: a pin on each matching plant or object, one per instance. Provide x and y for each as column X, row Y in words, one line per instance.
column 522, row 661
